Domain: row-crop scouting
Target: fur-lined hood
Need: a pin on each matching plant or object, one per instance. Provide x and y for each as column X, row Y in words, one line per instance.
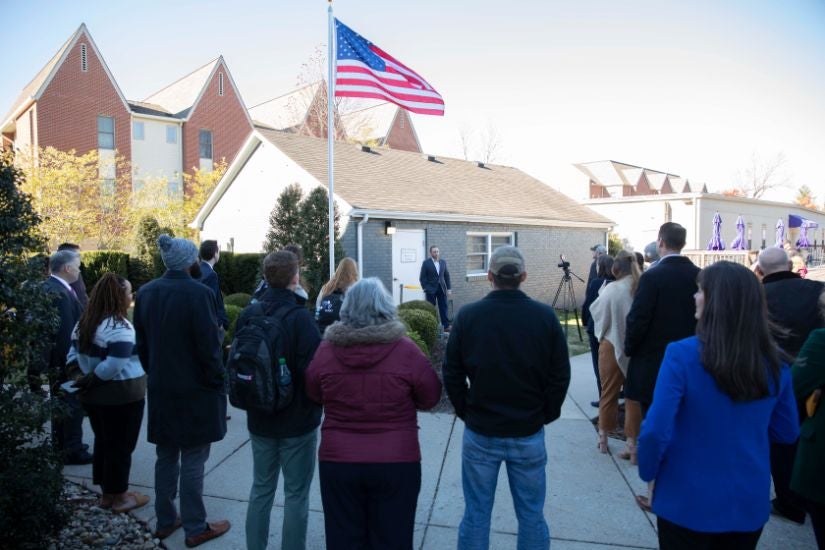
column 361, row 348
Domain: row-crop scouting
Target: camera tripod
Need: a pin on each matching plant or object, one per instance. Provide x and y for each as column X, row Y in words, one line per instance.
column 568, row 300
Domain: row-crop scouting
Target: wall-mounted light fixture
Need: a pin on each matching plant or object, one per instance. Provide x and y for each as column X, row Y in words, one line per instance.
column 389, row 227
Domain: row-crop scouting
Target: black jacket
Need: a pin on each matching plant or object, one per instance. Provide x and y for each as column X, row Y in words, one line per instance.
column 793, row 305
column 663, row 311
column 210, row 279
column 69, row 310
column 514, row 353
column 177, row 342
column 431, row 281
column 301, row 416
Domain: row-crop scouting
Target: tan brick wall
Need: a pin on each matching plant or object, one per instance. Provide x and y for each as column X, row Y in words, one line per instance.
column 68, row 109
column 224, row 115
column 401, row 134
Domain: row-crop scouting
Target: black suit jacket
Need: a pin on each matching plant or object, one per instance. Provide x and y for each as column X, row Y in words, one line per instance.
column 69, row 310
column 663, row 311
column 431, row 280
column 210, row 279
column 793, row 304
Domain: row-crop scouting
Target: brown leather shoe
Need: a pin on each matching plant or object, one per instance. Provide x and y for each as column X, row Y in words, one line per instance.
column 213, row 531
column 164, row 533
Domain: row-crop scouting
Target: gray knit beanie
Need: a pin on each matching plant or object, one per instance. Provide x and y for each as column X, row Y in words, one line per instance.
column 177, row 254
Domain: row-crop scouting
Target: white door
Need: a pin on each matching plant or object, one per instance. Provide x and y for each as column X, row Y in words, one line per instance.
column 407, row 255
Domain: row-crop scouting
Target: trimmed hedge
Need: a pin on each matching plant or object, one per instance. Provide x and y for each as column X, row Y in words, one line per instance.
column 422, row 323
column 239, row 299
column 419, row 304
column 239, row 272
column 94, row 263
column 232, row 312
column 415, row 337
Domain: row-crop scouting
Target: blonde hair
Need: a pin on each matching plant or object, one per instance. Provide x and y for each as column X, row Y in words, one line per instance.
column 625, row 264
column 345, row 276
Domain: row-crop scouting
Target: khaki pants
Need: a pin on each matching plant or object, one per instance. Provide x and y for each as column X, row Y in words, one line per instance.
column 612, row 380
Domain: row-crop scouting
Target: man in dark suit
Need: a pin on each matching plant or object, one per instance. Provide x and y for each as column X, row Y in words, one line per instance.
column 435, row 280
column 598, row 251
column 663, row 311
column 793, row 307
column 67, row 429
column 210, row 254
column 177, row 342
column 79, row 286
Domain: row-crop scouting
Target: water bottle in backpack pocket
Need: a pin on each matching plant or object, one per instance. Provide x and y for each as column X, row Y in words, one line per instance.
column 256, row 381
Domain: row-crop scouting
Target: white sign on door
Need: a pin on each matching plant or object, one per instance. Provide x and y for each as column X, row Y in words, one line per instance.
column 407, row 255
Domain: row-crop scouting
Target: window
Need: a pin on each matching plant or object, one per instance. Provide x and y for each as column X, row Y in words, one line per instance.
column 206, row 144
column 105, row 132
column 171, row 134
column 173, row 188
column 137, row 131
column 479, row 248
column 107, row 187
column 220, row 84
column 84, row 60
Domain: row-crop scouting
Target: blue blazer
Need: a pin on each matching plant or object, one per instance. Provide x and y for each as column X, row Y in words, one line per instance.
column 431, row 280
column 710, row 455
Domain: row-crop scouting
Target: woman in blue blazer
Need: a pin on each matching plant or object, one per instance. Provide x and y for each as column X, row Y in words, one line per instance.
column 721, row 398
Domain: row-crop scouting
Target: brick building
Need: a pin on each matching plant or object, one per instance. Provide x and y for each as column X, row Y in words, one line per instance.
column 75, row 103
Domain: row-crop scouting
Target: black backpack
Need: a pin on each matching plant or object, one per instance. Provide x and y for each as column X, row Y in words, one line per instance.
column 330, row 310
column 256, row 379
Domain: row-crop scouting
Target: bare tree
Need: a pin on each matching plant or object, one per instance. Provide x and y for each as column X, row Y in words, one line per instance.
column 763, row 175
column 465, row 134
column 483, row 145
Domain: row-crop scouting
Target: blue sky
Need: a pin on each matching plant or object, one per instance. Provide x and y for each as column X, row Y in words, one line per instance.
column 692, row 88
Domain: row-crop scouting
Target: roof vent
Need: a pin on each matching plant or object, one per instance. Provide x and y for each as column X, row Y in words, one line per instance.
column 481, row 164
column 84, row 63
column 366, row 149
column 432, row 158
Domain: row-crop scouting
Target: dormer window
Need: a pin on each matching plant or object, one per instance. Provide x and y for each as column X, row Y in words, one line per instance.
column 84, row 61
column 220, row 84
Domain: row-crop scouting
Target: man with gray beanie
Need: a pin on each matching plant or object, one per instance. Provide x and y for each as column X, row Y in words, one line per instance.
column 177, row 342
column 513, row 352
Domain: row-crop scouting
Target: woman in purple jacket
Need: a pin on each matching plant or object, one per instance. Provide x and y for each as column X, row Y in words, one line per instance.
column 371, row 380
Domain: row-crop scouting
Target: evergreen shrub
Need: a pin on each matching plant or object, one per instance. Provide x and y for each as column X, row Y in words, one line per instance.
column 421, row 322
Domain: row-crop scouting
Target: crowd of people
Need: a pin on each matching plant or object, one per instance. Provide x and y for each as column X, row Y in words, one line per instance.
column 702, row 359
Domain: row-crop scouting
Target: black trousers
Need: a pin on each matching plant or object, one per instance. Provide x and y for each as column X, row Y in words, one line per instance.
column 782, row 461
column 594, row 356
column 369, row 506
column 67, row 421
column 675, row 537
column 116, row 429
column 817, row 512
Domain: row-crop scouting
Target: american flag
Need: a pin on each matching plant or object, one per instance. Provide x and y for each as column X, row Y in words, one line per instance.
column 364, row 70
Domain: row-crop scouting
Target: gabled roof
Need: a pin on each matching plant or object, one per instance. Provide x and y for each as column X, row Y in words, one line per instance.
column 400, row 182
column 34, row 89
column 289, row 110
column 372, row 123
column 179, row 97
column 142, row 108
column 655, row 179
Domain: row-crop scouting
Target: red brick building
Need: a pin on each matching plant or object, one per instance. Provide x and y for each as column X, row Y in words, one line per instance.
column 74, row 103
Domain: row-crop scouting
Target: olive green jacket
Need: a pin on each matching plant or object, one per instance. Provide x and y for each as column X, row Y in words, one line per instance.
column 809, row 374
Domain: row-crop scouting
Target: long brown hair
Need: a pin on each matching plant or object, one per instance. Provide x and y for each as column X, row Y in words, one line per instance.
column 107, row 299
column 345, row 276
column 737, row 349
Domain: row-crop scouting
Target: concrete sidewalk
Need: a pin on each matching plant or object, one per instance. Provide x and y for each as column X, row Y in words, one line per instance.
column 589, row 495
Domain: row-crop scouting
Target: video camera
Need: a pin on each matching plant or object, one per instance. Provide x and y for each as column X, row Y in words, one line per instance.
column 564, row 264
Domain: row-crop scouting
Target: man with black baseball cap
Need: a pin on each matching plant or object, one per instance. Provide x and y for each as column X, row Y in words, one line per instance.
column 513, row 352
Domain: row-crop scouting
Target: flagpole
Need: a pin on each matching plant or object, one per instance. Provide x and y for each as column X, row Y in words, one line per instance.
column 331, row 137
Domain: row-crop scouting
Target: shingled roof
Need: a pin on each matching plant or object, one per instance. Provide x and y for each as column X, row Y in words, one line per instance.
column 179, row 97
column 400, row 181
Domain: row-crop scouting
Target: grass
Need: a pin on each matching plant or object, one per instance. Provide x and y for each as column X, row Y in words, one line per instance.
column 574, row 345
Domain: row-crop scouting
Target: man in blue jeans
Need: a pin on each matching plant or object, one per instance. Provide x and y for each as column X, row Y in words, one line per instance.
column 284, row 440
column 514, row 354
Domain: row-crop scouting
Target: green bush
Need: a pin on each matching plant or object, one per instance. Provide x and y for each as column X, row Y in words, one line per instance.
column 240, row 299
column 97, row 262
column 423, row 305
column 415, row 337
column 239, row 272
column 421, row 322
column 232, row 312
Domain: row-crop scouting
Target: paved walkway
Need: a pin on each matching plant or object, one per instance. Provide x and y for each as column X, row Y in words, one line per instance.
column 589, row 495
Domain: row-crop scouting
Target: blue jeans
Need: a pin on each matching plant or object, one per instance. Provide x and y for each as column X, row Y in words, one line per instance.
column 526, row 459
column 187, row 464
column 296, row 456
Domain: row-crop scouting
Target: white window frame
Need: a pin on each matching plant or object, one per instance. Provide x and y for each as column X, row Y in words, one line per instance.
column 138, row 136
column 99, row 132
column 489, row 238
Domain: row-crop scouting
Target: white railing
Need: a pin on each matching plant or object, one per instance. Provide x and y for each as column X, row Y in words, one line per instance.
column 703, row 258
